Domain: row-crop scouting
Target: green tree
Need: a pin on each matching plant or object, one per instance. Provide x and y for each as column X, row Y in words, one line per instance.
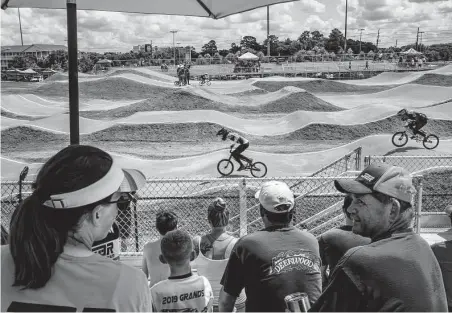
column 209, row 48
column 305, row 40
column 234, row 48
column 317, row 39
column 274, row 44
column 24, row 61
column 335, row 40
column 250, row 42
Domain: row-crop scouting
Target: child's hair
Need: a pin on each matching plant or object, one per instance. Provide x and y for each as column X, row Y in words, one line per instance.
column 165, row 221
column 217, row 213
column 176, row 246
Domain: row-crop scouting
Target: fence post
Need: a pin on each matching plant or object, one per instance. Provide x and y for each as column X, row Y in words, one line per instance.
column 358, row 159
column 242, row 205
column 135, row 217
column 419, row 205
column 347, row 158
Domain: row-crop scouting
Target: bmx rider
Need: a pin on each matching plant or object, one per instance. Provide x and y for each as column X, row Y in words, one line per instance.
column 243, row 144
column 415, row 121
column 204, row 78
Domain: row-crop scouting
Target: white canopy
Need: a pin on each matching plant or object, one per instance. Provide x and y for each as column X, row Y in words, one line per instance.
column 411, row 51
column 206, row 8
column 104, row 61
column 29, row 71
column 249, row 56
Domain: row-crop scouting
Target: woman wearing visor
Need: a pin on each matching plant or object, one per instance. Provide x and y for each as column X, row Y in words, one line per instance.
column 49, row 264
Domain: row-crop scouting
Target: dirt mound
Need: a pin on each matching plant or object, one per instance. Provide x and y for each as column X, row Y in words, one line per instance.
column 201, row 132
column 17, row 137
column 319, row 85
column 299, row 101
column 442, row 128
column 19, row 117
column 119, row 72
column 110, row 88
column 181, row 100
column 252, row 92
column 435, row 80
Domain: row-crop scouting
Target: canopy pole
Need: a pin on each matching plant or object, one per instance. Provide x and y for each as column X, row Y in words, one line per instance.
column 71, row 6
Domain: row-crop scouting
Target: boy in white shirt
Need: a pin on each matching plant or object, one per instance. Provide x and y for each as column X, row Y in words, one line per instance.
column 183, row 290
column 154, row 269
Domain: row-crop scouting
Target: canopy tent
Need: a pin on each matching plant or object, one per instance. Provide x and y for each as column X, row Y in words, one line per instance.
column 104, row 61
column 215, row 9
column 411, row 51
column 249, row 56
column 29, row 71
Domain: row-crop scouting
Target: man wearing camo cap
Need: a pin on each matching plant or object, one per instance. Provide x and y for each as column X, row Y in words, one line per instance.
column 397, row 271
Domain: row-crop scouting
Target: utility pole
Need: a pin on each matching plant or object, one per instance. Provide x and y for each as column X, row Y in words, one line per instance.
column 396, row 43
column 378, row 38
column 417, row 37
column 174, row 47
column 268, row 31
column 346, row 11
column 20, row 26
column 360, row 35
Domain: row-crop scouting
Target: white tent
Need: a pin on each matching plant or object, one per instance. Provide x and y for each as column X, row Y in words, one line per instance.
column 249, row 56
column 411, row 51
column 29, row 71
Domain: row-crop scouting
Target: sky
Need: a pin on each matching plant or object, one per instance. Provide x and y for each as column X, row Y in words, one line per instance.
column 108, row 31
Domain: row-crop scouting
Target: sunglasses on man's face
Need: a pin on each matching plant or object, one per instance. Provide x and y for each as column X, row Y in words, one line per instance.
column 124, row 200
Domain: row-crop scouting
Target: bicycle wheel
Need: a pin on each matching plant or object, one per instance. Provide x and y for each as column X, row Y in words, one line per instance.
column 225, row 167
column 176, row 83
column 200, row 83
column 431, row 142
column 208, row 83
column 258, row 169
column 399, row 139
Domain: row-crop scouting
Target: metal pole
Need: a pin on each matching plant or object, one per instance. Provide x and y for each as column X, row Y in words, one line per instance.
column 419, row 205
column 346, row 11
column 242, row 206
column 268, row 30
column 361, row 33
column 174, row 48
column 71, row 6
column 417, row 37
column 20, row 26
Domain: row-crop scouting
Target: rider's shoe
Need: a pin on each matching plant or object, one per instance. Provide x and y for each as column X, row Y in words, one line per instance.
column 241, row 168
column 413, row 137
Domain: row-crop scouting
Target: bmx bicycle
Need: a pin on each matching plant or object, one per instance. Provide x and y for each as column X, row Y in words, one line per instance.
column 206, row 82
column 430, row 141
column 225, row 167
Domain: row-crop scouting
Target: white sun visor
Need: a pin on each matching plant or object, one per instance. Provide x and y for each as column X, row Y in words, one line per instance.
column 116, row 180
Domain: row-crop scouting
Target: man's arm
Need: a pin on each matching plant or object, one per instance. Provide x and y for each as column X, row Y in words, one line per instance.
column 144, row 264
column 226, row 301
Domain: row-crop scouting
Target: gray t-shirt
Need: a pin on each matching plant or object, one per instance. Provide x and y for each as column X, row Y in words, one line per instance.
column 77, row 284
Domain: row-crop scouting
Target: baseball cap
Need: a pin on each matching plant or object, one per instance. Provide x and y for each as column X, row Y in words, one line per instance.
column 390, row 180
column 117, row 179
column 273, row 194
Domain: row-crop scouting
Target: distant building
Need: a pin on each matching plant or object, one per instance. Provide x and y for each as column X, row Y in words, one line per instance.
column 38, row 50
column 142, row 48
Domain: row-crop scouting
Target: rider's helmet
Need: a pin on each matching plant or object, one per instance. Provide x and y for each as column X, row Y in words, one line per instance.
column 221, row 131
column 402, row 112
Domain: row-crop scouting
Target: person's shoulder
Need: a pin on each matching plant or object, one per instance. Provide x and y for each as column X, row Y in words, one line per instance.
column 151, row 244
column 130, row 274
column 161, row 285
column 303, row 234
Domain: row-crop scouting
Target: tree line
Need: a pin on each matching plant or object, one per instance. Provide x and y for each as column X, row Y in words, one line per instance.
column 309, row 46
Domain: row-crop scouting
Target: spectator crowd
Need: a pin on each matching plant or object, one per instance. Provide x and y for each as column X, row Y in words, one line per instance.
column 60, row 253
